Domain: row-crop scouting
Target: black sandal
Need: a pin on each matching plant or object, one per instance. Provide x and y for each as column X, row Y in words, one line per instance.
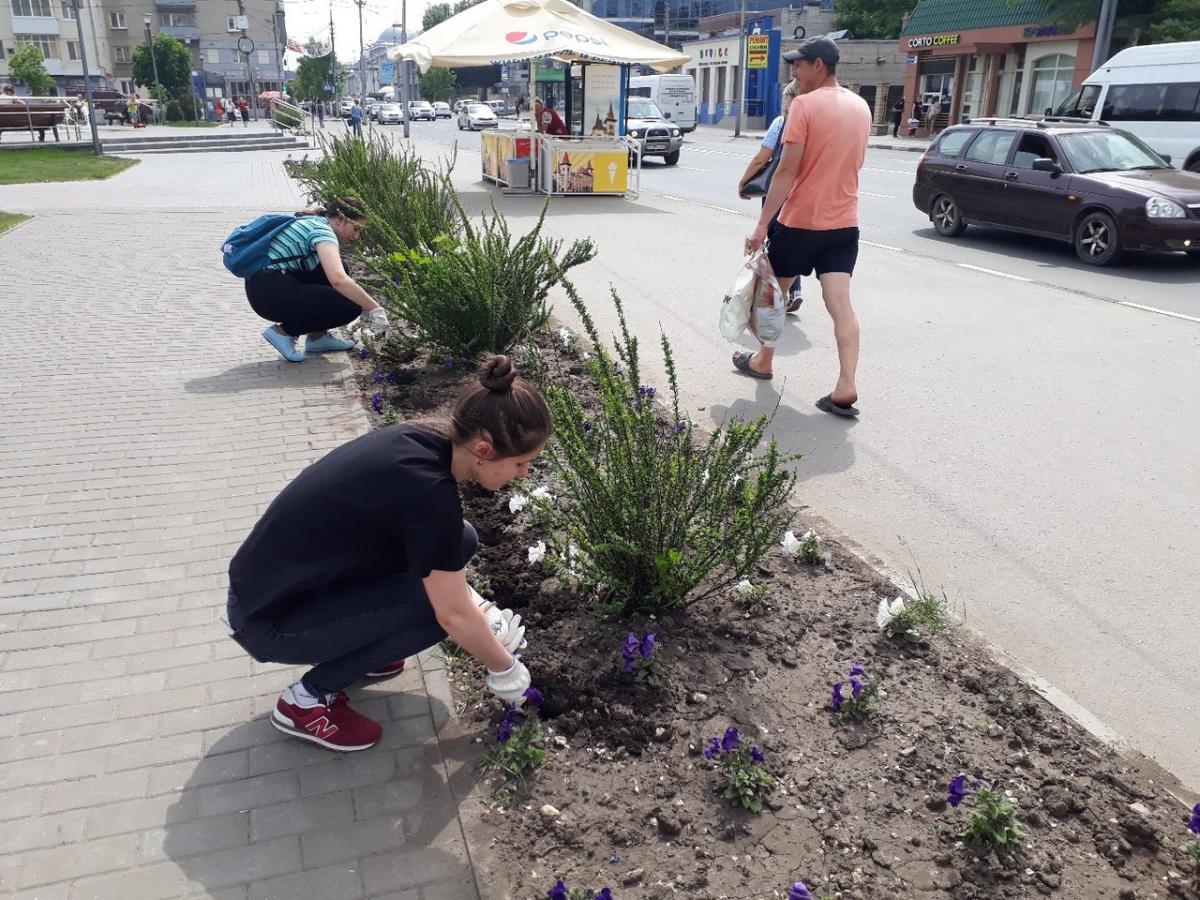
column 826, row 404
column 741, row 362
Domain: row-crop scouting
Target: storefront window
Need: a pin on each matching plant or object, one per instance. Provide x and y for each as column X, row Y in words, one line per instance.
column 972, row 85
column 1052, row 77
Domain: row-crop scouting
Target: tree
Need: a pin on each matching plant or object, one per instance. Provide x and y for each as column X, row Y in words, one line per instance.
column 879, row 20
column 312, row 74
column 174, row 62
column 26, row 66
column 465, row 4
column 435, row 15
column 437, row 84
column 1176, row 20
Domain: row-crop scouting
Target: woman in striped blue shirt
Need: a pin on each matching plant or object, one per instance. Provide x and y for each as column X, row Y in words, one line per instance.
column 305, row 290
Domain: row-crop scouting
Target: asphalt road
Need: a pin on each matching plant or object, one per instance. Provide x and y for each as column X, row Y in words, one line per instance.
column 1027, row 439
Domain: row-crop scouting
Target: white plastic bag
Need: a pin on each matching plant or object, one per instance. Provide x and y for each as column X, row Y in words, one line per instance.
column 754, row 288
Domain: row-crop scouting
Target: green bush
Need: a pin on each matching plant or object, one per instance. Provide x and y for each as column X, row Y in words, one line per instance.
column 649, row 517
column 410, row 205
column 282, row 117
column 483, row 293
column 174, row 111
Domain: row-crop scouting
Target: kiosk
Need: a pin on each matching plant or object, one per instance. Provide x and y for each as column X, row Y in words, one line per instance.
column 578, row 149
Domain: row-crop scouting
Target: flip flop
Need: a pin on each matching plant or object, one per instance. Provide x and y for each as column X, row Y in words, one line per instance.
column 826, row 404
column 741, row 362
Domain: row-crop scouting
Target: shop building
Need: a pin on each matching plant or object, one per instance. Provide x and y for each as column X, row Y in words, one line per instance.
column 991, row 58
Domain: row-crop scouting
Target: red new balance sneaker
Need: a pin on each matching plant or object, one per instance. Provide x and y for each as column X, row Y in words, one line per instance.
column 332, row 724
column 389, row 671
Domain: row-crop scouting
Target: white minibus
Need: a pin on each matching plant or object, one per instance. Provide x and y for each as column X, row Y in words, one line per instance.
column 674, row 94
column 1152, row 92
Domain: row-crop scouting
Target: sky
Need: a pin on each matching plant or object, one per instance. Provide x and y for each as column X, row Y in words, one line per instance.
column 310, row 18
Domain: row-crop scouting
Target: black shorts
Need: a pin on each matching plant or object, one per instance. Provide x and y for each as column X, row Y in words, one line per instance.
column 798, row 251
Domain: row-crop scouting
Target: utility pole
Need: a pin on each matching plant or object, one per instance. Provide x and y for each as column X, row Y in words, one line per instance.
column 154, row 62
column 404, row 65
column 362, row 55
column 667, row 22
column 741, row 70
column 249, row 71
column 332, row 56
column 1104, row 33
column 87, row 80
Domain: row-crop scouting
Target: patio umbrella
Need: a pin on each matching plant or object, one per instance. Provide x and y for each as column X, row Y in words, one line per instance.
column 500, row 31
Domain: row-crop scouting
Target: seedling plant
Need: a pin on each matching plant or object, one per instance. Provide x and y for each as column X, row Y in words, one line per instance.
column 518, row 750
column 863, row 690
column 637, row 657
column 992, row 824
column 560, row 891
column 745, row 781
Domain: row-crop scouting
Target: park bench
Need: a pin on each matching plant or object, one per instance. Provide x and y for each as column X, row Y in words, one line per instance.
column 19, row 114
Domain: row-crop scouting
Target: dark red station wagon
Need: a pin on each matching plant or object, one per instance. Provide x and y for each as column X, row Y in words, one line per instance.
column 1096, row 187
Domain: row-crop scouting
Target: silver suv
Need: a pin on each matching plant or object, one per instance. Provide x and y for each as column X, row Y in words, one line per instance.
column 658, row 135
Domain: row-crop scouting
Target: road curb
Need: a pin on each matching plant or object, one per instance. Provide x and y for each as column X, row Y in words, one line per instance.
column 894, row 147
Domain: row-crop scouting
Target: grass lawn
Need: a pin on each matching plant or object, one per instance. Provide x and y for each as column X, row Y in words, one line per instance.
column 193, row 124
column 8, row 220
column 53, row 164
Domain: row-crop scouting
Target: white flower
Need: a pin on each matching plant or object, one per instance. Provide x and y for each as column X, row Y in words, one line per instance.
column 537, row 552
column 586, row 356
column 888, row 612
column 744, row 587
column 572, row 558
column 517, row 503
column 736, row 479
column 542, row 493
column 811, row 536
column 565, row 335
column 791, row 546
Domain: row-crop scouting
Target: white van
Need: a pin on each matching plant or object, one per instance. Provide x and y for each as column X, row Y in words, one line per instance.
column 1152, row 92
column 674, row 94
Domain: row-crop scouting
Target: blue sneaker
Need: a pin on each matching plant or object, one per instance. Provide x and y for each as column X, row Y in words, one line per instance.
column 284, row 344
column 331, row 343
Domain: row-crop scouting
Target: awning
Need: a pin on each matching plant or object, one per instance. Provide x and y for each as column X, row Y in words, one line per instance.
column 502, row 31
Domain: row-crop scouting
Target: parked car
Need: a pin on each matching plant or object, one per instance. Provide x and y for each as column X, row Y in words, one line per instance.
column 463, row 101
column 656, row 133
column 477, row 115
column 1094, row 186
column 441, row 110
column 500, row 107
column 390, row 114
column 420, row 109
column 1152, row 92
column 344, row 108
column 373, row 108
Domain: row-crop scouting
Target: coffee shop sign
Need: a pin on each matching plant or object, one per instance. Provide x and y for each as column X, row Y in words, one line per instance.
column 933, row 40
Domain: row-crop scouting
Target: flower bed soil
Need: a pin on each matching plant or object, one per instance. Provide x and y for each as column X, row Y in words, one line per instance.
column 860, row 810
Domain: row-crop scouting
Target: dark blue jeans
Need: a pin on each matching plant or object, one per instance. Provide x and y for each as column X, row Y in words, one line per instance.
column 349, row 629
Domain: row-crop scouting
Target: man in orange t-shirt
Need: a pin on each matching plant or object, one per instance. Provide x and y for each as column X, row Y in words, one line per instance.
column 815, row 193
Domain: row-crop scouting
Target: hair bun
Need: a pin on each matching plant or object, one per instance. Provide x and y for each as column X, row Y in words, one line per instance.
column 497, row 374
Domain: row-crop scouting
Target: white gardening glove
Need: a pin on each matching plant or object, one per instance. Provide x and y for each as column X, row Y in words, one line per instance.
column 511, row 684
column 505, row 625
column 377, row 320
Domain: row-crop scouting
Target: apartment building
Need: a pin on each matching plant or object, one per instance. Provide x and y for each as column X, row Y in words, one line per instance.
column 52, row 26
column 236, row 45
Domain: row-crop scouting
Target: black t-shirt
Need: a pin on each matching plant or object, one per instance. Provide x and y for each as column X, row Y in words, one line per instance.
column 382, row 504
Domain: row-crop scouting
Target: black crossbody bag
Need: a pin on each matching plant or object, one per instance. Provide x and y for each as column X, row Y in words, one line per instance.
column 760, row 181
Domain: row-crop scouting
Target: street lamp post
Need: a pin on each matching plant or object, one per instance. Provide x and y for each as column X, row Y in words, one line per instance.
column 87, row 80
column 153, row 62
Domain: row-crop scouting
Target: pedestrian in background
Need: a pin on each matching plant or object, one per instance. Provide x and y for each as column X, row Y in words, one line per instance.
column 356, row 119
column 765, row 151
column 897, row 115
column 355, row 602
column 815, row 194
column 244, row 109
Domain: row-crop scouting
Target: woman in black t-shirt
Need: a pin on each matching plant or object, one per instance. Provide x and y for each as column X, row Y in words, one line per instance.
column 377, row 574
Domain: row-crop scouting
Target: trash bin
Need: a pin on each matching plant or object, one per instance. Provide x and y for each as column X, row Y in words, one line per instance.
column 518, row 172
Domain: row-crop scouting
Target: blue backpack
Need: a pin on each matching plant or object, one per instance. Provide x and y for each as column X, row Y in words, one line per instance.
column 244, row 252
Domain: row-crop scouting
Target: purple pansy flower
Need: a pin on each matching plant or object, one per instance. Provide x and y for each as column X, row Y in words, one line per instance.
column 378, row 377
column 648, row 643
column 838, row 699
column 449, row 362
column 364, row 353
column 855, row 688
column 800, row 891
column 533, row 695
column 587, row 426
column 646, row 391
column 605, row 894
column 713, row 748
column 731, row 739
column 757, row 755
column 681, row 427
column 857, row 669
column 958, row 790
column 630, row 651
column 505, row 732
column 1194, row 822
column 377, row 402
column 558, row 892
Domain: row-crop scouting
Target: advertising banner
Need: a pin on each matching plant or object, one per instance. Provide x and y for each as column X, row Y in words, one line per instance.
column 602, row 101
column 590, row 171
column 498, row 146
column 758, row 48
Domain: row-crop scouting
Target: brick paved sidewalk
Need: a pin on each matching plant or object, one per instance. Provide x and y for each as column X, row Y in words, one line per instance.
column 144, row 426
